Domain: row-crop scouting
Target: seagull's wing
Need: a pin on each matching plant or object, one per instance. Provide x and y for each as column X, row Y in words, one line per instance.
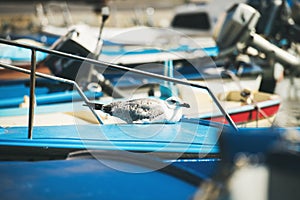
column 147, row 109
column 139, row 109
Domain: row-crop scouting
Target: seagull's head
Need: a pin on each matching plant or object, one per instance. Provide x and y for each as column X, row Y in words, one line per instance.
column 174, row 102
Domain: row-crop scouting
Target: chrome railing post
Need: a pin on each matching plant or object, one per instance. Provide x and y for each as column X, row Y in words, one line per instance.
column 32, row 93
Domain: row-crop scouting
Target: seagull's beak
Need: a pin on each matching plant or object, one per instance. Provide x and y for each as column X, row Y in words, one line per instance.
column 186, row 105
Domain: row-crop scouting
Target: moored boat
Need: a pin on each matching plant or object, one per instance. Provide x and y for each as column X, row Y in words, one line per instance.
column 183, row 160
column 65, row 95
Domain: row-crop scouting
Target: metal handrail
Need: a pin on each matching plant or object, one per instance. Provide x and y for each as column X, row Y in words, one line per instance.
column 50, row 77
column 97, row 63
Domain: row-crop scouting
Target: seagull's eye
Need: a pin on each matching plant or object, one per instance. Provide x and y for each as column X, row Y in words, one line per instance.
column 172, row 101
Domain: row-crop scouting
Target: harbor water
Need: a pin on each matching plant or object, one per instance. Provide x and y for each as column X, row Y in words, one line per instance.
column 289, row 112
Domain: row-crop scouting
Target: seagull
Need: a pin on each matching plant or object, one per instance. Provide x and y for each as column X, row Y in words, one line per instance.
column 144, row 110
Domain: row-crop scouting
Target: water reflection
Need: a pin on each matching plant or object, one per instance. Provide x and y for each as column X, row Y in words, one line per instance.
column 289, row 112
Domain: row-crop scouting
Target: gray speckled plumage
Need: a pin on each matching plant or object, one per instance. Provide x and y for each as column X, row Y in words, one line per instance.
column 145, row 110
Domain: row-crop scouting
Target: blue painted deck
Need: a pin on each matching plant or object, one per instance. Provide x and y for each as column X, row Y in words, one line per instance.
column 209, row 51
column 47, row 92
column 182, row 137
column 18, row 54
column 87, row 179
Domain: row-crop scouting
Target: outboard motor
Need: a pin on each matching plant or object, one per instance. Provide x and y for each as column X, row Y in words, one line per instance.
column 69, row 68
column 65, row 67
column 276, row 22
column 235, row 33
column 235, row 26
column 81, row 44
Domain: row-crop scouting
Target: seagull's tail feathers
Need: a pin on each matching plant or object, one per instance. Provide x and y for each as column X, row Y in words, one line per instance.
column 107, row 109
column 95, row 106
